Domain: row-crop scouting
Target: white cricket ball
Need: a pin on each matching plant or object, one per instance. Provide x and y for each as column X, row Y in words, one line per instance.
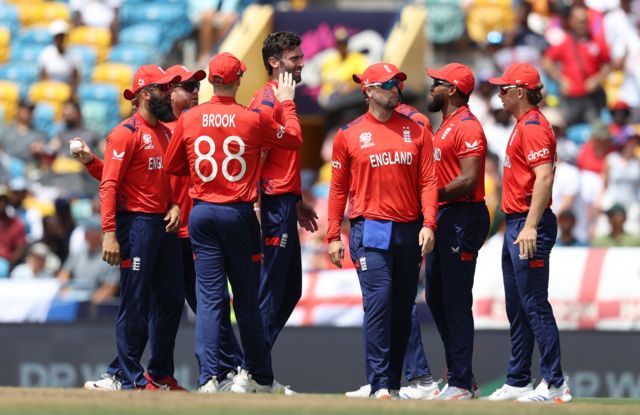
column 75, row 146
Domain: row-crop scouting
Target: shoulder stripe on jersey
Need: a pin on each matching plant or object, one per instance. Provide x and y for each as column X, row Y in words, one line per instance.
column 468, row 119
column 268, row 103
column 256, row 110
column 420, row 123
column 130, row 127
column 532, row 122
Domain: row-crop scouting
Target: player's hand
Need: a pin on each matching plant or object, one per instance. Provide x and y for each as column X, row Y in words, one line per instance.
column 336, row 253
column 84, row 155
column 173, row 219
column 286, row 89
column 426, row 240
column 110, row 249
column 307, row 216
column 526, row 240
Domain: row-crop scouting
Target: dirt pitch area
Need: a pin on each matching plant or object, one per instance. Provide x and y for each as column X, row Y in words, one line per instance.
column 23, row 401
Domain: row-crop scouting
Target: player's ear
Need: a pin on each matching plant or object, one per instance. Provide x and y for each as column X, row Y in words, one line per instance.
column 274, row 62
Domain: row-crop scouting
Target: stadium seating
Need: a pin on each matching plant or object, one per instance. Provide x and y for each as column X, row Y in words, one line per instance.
column 579, row 133
column 9, row 97
column 484, row 16
column 101, row 106
column 97, row 38
column 37, row 36
column 5, row 44
column 86, row 58
column 144, row 35
column 445, row 21
column 41, row 13
column 133, row 55
column 51, row 92
column 9, row 18
column 43, row 118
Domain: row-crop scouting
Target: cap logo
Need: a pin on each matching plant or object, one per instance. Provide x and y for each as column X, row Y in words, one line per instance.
column 386, row 68
column 184, row 68
column 140, row 81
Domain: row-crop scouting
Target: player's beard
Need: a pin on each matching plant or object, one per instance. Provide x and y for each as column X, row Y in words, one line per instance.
column 292, row 70
column 161, row 109
column 391, row 103
column 436, row 103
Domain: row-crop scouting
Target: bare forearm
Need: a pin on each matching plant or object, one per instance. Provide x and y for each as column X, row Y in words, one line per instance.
column 457, row 188
column 539, row 200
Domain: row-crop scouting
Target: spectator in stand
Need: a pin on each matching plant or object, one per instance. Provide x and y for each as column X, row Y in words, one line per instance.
column 213, row 18
column 74, row 127
column 617, row 237
column 30, row 216
column 35, row 264
column 620, row 128
column 20, row 139
column 566, row 224
column 86, row 275
column 337, row 68
column 579, row 63
column 13, row 239
column 623, row 39
column 593, row 152
column 97, row 13
column 55, row 63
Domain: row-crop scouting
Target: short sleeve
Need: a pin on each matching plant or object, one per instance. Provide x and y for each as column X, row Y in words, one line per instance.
column 537, row 145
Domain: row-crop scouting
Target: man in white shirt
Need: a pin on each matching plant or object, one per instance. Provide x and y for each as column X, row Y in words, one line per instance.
column 55, row 63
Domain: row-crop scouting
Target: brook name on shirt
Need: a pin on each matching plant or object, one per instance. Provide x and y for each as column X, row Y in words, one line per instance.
column 389, row 158
column 218, row 120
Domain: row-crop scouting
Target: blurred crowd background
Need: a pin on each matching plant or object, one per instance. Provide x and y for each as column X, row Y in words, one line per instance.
column 64, row 64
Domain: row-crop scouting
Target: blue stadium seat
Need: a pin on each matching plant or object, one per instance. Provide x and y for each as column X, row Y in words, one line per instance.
column 4, row 268
column 445, row 21
column 43, row 118
column 133, row 55
column 26, row 53
column 9, row 18
column 147, row 34
column 86, row 57
column 100, row 105
column 579, row 133
column 19, row 72
column 37, row 36
column 152, row 12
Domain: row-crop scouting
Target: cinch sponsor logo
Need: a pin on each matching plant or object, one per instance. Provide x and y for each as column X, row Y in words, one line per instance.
column 218, row 120
column 336, row 164
column 155, row 163
column 540, row 154
column 280, row 133
column 388, row 159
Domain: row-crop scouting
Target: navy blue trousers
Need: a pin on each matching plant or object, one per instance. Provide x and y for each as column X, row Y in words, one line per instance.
column 462, row 229
column 388, row 280
column 151, row 296
column 281, row 275
column 416, row 365
column 226, row 244
column 526, row 289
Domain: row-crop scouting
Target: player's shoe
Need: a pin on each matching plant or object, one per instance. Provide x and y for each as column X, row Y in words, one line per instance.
column 243, row 383
column 546, row 393
column 416, row 390
column 510, row 393
column 107, row 382
column 225, row 384
column 275, row 388
column 475, row 389
column 382, row 394
column 210, row 387
column 167, row 383
column 362, row 392
column 454, row 393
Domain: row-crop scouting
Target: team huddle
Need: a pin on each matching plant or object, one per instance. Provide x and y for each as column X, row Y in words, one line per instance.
column 220, row 183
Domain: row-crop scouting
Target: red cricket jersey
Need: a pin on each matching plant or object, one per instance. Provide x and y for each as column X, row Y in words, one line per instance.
column 133, row 178
column 532, row 143
column 180, row 186
column 460, row 135
column 281, row 169
column 385, row 169
column 218, row 144
column 415, row 115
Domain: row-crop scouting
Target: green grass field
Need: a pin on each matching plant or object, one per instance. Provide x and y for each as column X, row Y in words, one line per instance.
column 22, row 401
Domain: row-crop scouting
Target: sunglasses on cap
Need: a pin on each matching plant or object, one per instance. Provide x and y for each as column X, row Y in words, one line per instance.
column 190, row 86
column 387, row 85
column 505, row 88
column 440, row 82
column 161, row 87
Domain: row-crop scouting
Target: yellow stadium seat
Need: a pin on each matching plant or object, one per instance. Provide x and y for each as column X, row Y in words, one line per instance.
column 42, row 13
column 9, row 96
column 118, row 74
column 96, row 37
column 612, row 85
column 51, row 92
column 5, row 44
column 484, row 16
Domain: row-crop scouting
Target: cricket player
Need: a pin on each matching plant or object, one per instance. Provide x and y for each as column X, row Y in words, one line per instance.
column 416, row 366
column 382, row 162
column 140, row 218
column 459, row 150
column 218, row 145
column 281, row 204
column 529, row 167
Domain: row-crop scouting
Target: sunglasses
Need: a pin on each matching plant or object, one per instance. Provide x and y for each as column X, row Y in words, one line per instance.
column 388, row 85
column 440, row 82
column 505, row 88
column 161, row 87
column 190, row 86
